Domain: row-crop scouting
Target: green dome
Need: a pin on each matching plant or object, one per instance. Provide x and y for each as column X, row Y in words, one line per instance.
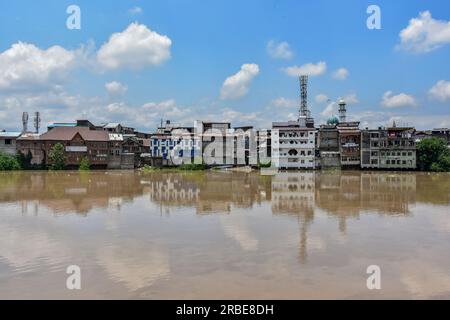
column 333, row 120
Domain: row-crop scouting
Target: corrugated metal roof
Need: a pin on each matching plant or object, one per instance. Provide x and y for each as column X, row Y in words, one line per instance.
column 111, row 125
column 10, row 134
column 62, row 124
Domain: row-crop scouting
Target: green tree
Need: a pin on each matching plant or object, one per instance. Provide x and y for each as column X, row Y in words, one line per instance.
column 433, row 155
column 84, row 164
column 8, row 162
column 57, row 157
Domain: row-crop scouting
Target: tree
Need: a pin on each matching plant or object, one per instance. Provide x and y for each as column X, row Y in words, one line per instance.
column 56, row 157
column 25, row 160
column 8, row 162
column 433, row 155
column 84, row 164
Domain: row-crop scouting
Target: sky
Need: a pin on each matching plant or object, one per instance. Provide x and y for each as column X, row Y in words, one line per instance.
column 137, row 62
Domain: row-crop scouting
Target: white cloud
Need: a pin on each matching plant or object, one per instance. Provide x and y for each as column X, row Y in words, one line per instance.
column 341, row 74
column 115, row 88
column 134, row 48
column 321, row 98
column 309, row 69
column 25, row 66
column 424, row 34
column 390, row 100
column 279, row 50
column 351, row 98
column 135, row 11
column 284, row 102
column 237, row 85
column 440, row 91
column 329, row 110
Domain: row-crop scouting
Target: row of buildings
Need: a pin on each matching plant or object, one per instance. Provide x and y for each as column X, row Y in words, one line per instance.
column 287, row 145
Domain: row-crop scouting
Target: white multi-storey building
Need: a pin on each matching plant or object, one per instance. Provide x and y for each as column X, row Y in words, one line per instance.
column 293, row 145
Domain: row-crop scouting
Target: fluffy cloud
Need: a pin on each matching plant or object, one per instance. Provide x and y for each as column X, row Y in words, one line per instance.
column 390, row 100
column 135, row 48
column 424, row 34
column 237, row 85
column 351, row 99
column 340, row 74
column 329, row 110
column 309, row 69
column 284, row 103
column 115, row 88
column 321, row 98
column 440, row 91
column 27, row 67
column 279, row 50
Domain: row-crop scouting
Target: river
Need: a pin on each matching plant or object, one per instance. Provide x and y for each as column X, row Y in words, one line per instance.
column 224, row 235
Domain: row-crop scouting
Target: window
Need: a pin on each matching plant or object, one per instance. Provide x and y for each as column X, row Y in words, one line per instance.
column 8, row 141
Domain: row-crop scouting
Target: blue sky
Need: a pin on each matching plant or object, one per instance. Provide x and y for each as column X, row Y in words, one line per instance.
column 224, row 60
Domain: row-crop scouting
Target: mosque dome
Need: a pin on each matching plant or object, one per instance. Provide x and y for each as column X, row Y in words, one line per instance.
column 333, row 120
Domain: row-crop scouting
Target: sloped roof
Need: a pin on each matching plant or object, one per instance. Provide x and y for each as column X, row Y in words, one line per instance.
column 111, row 125
column 67, row 134
column 9, row 134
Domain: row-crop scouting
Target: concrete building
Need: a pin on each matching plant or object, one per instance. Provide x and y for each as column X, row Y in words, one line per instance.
column 388, row 148
column 211, row 138
column 349, row 144
column 293, row 145
column 115, row 141
column 29, row 143
column 443, row 133
column 222, row 145
column 8, row 142
column 264, row 146
column 328, row 145
column 173, row 144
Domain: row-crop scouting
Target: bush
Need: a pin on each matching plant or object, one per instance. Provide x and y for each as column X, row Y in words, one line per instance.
column 265, row 165
column 84, row 164
column 433, row 155
column 192, row 167
column 56, row 157
column 8, row 162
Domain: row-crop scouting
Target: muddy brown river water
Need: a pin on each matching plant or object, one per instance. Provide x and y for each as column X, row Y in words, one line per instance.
column 223, row 235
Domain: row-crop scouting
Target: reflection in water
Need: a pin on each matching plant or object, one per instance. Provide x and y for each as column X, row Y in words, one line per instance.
column 178, row 235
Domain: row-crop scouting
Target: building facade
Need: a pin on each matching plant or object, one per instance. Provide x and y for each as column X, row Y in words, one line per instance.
column 388, row 148
column 349, row 144
column 8, row 142
column 293, row 145
column 443, row 133
column 78, row 142
column 328, row 146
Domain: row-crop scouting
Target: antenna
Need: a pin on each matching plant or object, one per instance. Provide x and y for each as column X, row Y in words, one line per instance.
column 37, row 121
column 25, row 122
column 304, row 96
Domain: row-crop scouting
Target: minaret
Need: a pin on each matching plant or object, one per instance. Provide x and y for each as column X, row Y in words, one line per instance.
column 342, row 111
